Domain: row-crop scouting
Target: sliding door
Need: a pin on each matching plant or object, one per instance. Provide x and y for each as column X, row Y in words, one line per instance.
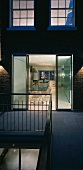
column 64, row 82
column 19, row 84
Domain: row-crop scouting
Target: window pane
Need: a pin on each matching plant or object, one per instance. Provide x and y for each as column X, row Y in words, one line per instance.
column 61, row 21
column 54, row 13
column 69, row 13
column 61, row 13
column 30, row 4
column 23, row 4
column 30, row 22
column 54, row 4
column 15, row 14
column 69, row 4
column 29, row 158
column 53, row 21
column 51, row 75
column 23, row 14
column 15, row 4
column 15, row 22
column 61, row 3
column 11, row 160
column 22, row 22
column 65, row 12
column 31, row 13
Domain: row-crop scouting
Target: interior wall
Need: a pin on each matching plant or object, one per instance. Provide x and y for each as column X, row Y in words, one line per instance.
column 39, row 68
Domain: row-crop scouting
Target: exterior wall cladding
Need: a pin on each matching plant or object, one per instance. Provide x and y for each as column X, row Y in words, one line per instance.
column 42, row 41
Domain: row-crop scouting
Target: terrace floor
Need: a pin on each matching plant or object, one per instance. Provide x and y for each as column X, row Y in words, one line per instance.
column 67, row 141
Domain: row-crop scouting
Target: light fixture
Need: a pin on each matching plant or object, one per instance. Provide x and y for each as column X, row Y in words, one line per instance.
column 63, row 74
column 1, row 66
column 0, row 62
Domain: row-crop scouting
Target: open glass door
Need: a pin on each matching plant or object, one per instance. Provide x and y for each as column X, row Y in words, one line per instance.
column 19, row 84
column 64, row 82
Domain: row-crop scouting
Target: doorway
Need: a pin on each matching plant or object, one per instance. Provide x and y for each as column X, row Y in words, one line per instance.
column 64, row 82
column 44, row 74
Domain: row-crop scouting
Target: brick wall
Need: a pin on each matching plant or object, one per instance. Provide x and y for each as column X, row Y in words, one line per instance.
column 78, row 82
column 4, row 81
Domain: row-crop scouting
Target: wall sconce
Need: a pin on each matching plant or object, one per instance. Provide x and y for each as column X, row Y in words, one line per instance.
column 82, row 68
column 0, row 63
column 1, row 66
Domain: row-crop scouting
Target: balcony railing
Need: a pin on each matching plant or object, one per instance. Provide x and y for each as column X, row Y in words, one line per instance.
column 24, row 112
column 30, row 115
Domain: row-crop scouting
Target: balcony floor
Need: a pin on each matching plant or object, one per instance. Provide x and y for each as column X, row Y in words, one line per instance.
column 67, row 141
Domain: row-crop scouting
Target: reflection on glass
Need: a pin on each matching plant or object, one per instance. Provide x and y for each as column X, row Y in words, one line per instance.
column 11, row 160
column 19, row 80
column 64, row 82
column 29, row 158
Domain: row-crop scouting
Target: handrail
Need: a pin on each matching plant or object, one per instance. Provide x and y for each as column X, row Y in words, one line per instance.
column 30, row 93
column 45, row 149
column 22, row 113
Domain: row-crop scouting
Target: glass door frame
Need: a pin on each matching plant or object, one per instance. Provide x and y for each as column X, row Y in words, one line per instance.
column 57, row 55
column 27, row 75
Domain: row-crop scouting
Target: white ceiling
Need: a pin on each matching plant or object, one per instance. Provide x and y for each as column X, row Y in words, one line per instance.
column 47, row 60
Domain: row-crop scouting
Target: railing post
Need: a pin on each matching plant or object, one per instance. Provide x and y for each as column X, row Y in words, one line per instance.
column 19, row 159
column 51, row 111
column 34, row 115
column 22, row 115
column 3, row 113
column 38, row 115
column 18, row 115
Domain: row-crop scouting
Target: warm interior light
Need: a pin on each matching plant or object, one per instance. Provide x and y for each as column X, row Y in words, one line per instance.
column 1, row 68
column 82, row 68
column 63, row 75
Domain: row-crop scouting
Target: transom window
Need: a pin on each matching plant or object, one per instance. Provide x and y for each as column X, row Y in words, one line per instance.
column 22, row 12
column 62, row 13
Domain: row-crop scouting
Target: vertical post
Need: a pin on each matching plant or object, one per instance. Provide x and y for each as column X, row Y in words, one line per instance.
column 18, row 115
column 46, row 109
column 14, row 119
column 7, row 113
column 22, row 115
column 19, row 159
column 38, row 115
column 26, row 117
column 34, row 115
column 51, row 111
column 42, row 115
column 30, row 115
column 3, row 113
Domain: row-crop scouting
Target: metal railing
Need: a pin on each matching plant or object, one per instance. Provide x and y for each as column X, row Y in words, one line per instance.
column 24, row 112
column 44, row 160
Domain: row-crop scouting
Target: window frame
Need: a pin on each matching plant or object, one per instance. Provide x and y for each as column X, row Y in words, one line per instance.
column 19, row 27
column 61, row 27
